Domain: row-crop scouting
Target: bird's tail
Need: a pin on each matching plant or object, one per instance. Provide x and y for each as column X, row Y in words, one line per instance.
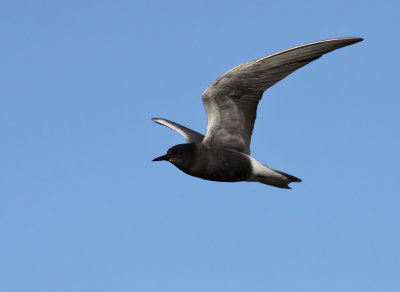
column 266, row 175
column 279, row 179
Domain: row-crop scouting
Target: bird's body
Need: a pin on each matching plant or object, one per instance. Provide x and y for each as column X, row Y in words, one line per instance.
column 223, row 154
column 225, row 165
column 218, row 164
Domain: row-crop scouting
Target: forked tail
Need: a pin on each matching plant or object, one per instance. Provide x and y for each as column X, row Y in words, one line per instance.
column 280, row 179
column 263, row 174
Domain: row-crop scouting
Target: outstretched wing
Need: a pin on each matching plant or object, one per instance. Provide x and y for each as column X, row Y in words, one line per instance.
column 231, row 101
column 190, row 135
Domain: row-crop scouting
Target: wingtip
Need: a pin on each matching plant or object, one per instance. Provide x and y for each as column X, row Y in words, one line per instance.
column 161, row 121
column 344, row 41
column 357, row 39
column 353, row 40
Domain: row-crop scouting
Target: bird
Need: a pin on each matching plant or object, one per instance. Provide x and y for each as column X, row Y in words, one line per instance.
column 223, row 153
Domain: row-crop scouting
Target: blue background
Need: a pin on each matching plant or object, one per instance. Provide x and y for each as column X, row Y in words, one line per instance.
column 83, row 208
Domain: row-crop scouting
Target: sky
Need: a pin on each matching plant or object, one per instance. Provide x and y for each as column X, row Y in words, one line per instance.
column 83, row 207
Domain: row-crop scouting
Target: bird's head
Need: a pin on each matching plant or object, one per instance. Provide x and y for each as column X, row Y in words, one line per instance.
column 182, row 155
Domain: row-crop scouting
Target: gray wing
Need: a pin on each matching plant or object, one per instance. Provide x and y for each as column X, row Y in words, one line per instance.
column 231, row 101
column 190, row 135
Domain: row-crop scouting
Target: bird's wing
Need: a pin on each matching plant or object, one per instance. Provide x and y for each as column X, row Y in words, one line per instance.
column 231, row 101
column 190, row 135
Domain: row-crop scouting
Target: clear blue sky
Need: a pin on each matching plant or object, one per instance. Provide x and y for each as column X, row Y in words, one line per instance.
column 83, row 208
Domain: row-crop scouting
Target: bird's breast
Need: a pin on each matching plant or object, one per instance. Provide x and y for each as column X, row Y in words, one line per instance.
column 221, row 165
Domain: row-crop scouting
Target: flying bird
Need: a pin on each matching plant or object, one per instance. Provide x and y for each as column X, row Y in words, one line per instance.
column 223, row 154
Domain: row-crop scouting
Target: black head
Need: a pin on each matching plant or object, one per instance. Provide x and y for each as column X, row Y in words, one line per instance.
column 182, row 155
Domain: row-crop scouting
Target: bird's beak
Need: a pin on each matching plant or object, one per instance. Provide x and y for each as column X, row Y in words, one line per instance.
column 163, row 157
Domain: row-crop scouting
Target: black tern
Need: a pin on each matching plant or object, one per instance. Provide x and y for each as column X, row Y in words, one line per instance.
column 223, row 154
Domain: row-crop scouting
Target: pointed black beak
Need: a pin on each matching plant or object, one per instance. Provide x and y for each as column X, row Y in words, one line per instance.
column 164, row 157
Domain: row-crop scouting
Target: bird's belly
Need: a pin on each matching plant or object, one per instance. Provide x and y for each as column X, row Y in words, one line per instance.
column 224, row 167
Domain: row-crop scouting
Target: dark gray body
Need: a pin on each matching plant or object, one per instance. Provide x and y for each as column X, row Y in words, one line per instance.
column 217, row 164
column 224, row 164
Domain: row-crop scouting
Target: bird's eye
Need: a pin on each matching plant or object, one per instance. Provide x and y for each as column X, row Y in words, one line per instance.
column 177, row 151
